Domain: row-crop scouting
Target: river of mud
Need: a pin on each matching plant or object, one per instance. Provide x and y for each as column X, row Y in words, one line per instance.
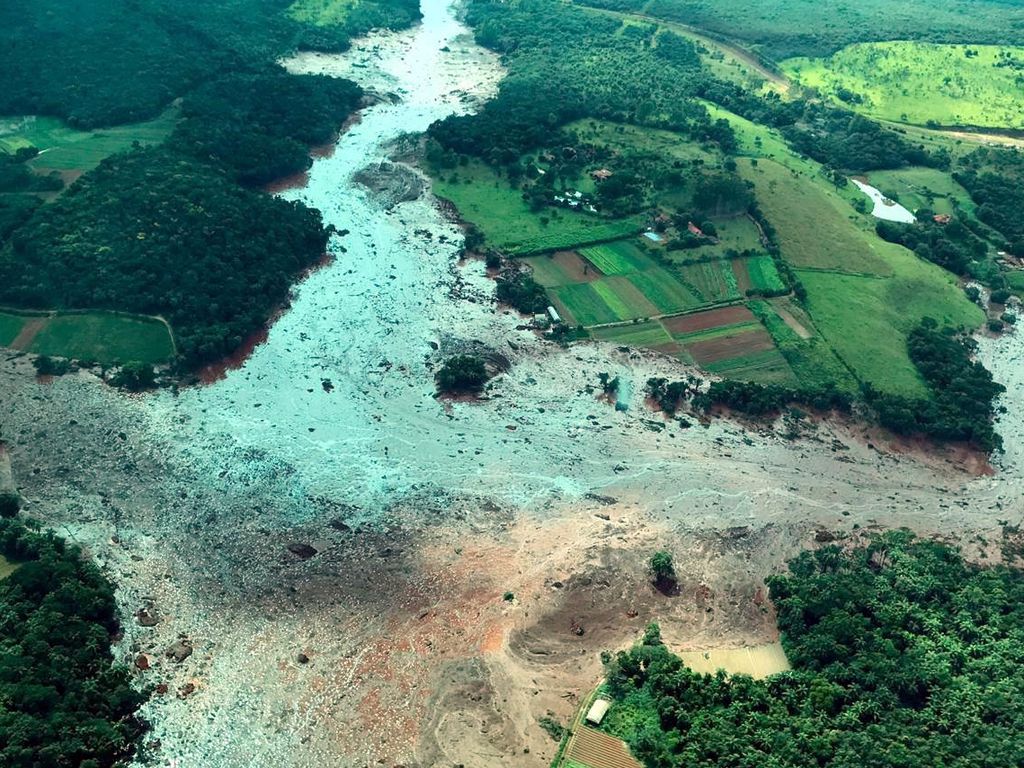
column 335, row 543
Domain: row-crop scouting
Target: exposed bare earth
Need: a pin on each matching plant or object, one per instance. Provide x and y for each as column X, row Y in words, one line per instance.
column 336, row 545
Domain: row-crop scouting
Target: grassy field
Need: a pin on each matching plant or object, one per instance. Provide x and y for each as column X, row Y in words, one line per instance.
column 7, row 567
column 641, row 335
column 762, row 273
column 664, row 291
column 499, row 211
column 97, row 336
column 816, row 228
column 714, row 281
column 618, row 258
column 923, row 188
column 65, row 149
column 321, row 12
column 923, row 82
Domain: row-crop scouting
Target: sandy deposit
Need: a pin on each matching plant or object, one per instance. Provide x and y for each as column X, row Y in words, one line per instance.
column 335, row 544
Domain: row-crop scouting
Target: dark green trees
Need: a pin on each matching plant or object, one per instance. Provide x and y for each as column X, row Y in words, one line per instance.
column 462, row 374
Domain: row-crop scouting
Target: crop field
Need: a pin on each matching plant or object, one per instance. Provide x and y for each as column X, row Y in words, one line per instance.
column 499, row 211
column 562, row 268
column 590, row 748
column 610, row 300
column 63, row 148
column 757, row 273
column 923, row 83
column 923, row 188
column 322, row 12
column 98, row 336
column 714, row 281
column 664, row 291
column 649, row 335
column 618, row 258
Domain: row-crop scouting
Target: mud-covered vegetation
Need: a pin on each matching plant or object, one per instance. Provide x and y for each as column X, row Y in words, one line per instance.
column 64, row 703
column 902, row 654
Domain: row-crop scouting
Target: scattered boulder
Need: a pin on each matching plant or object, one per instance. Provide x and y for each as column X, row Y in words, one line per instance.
column 142, row 662
column 302, row 550
column 576, row 628
column 180, row 651
column 147, row 617
column 186, row 690
column 824, row 537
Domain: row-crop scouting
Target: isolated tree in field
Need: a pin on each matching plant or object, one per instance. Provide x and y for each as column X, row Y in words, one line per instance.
column 662, row 569
column 462, row 373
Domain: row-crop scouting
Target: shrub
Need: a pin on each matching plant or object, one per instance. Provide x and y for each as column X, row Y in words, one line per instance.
column 462, row 373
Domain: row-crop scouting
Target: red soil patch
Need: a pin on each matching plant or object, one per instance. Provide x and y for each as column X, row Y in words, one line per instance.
column 713, row 318
column 219, row 370
column 28, row 332
column 739, row 269
column 295, row 181
column 581, row 270
column 729, row 347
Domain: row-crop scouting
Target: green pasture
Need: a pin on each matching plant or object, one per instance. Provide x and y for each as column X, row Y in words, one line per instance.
column 866, row 319
column 98, row 336
column 648, row 334
column 914, row 82
column 487, row 201
column 10, row 327
column 548, row 272
column 63, row 148
column 624, row 137
column 7, row 567
column 923, row 188
column 816, row 228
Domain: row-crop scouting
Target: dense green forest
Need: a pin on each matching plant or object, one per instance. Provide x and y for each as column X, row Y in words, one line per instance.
column 62, row 702
column 902, row 655
column 783, row 28
column 154, row 233
column 167, row 230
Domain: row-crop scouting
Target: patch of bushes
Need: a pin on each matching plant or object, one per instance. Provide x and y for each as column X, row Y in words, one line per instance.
column 462, row 374
column 522, row 292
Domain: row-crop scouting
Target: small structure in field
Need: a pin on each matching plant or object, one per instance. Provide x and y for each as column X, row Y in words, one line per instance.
column 553, row 314
column 601, row 174
column 942, row 218
column 694, row 229
column 597, row 711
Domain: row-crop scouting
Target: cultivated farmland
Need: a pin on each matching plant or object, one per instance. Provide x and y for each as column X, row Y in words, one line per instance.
column 103, row 337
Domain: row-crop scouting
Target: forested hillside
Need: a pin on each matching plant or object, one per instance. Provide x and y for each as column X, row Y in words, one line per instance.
column 902, row 655
column 168, row 230
column 64, row 704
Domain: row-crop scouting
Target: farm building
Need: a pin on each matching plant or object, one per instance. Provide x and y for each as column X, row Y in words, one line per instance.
column 601, row 174
column 598, row 710
column 553, row 314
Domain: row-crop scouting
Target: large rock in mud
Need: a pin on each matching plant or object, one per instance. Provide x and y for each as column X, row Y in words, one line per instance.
column 391, row 183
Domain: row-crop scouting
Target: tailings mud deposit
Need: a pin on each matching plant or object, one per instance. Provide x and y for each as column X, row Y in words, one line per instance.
column 325, row 549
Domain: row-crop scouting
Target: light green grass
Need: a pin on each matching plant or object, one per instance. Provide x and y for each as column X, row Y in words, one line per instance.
column 921, row 82
column 816, row 228
column 64, row 149
column 763, row 273
column 7, row 567
column 584, row 304
column 649, row 334
column 499, row 211
column 618, row 258
column 10, row 327
column 622, row 137
column 866, row 320
column 923, row 188
column 548, row 272
column 321, row 12
column 104, row 338
column 664, row 291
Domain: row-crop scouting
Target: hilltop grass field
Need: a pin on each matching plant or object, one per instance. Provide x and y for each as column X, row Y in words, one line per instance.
column 63, row 148
column 486, row 200
column 102, row 337
column 922, row 83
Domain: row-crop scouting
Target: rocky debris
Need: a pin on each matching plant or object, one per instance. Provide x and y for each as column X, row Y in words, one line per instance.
column 186, row 690
column 147, row 617
column 824, row 537
column 391, row 183
column 302, row 550
column 180, row 651
column 301, row 658
column 603, row 500
column 142, row 662
column 576, row 628
column 161, row 689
